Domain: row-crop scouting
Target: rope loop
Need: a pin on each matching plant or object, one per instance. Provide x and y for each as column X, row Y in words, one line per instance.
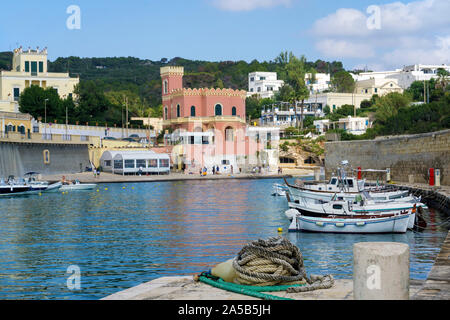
column 276, row 261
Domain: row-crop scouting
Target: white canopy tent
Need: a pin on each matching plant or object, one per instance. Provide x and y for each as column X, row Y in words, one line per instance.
column 131, row 162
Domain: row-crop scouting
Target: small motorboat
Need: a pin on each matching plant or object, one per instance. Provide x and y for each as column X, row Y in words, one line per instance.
column 19, row 186
column 389, row 223
column 77, row 185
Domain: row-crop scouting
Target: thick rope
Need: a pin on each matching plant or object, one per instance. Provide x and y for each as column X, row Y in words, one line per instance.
column 276, row 261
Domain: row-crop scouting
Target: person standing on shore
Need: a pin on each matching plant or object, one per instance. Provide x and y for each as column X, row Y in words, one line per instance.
column 214, row 170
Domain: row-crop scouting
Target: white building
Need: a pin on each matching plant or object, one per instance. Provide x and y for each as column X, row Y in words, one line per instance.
column 353, row 125
column 405, row 76
column 283, row 115
column 318, row 83
column 322, row 125
column 265, row 84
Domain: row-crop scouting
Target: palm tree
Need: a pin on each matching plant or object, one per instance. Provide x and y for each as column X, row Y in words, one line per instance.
column 296, row 70
column 443, row 79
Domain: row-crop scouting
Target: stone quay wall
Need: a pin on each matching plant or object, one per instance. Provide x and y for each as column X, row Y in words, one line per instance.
column 407, row 156
column 19, row 158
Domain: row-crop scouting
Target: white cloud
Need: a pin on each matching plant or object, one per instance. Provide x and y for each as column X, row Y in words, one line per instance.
column 414, row 32
column 248, row 5
column 349, row 22
column 437, row 53
column 341, row 48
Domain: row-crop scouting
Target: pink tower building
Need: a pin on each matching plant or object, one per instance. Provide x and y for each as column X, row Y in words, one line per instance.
column 207, row 126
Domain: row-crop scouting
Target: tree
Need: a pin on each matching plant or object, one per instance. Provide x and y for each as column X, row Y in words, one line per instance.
column 343, row 82
column 33, row 101
column 92, row 104
column 365, row 104
column 388, row 106
column 284, row 94
column 296, row 71
column 443, row 79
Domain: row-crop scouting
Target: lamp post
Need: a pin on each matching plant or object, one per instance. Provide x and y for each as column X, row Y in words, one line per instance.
column 45, row 117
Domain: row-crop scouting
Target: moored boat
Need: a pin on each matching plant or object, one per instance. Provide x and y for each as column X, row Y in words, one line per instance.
column 77, row 185
column 19, row 186
column 392, row 223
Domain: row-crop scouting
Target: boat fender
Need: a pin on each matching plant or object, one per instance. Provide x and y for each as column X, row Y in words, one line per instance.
column 225, row 270
column 291, row 213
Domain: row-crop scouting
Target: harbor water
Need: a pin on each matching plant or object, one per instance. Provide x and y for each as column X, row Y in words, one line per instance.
column 122, row 235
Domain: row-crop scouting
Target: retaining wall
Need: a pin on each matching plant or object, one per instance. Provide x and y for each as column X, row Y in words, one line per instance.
column 30, row 157
column 405, row 155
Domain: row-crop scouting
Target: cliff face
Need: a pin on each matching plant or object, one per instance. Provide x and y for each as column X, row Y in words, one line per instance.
column 304, row 152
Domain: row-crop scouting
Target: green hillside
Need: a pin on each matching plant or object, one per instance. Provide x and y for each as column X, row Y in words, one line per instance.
column 142, row 76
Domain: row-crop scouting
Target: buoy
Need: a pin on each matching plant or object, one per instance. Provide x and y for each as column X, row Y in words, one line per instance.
column 123, row 187
column 280, row 229
column 132, row 188
column 225, row 271
column 106, row 189
column 40, row 194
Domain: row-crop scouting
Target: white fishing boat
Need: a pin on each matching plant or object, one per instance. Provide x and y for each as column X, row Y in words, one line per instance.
column 349, row 186
column 394, row 223
column 348, row 190
column 339, row 207
column 279, row 190
column 77, row 185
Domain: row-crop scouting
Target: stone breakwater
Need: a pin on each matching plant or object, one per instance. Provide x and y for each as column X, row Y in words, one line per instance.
column 407, row 156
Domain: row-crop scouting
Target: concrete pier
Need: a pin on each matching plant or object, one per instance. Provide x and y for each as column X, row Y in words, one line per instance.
column 437, row 285
column 185, row 288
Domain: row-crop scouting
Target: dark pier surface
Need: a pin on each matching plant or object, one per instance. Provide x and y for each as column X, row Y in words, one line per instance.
column 437, row 285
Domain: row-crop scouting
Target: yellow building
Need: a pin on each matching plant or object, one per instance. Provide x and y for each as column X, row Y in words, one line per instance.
column 377, row 86
column 30, row 68
column 15, row 122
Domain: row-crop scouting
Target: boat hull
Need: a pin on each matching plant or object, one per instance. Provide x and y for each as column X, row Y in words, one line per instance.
column 73, row 187
column 394, row 224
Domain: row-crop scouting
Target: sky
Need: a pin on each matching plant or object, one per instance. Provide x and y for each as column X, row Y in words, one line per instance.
column 378, row 35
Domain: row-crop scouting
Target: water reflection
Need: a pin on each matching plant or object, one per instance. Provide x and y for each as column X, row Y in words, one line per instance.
column 133, row 233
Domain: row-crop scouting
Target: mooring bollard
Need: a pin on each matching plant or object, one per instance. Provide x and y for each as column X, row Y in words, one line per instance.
column 380, row 271
column 317, row 174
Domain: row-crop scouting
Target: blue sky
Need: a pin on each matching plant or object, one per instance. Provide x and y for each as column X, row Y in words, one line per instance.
column 218, row 30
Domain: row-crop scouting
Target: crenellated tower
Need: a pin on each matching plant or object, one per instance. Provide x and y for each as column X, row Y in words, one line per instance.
column 172, row 79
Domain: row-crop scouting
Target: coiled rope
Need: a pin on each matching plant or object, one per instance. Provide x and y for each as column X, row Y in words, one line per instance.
column 276, row 261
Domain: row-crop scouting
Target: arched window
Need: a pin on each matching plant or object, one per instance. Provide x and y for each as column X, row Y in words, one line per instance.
column 165, row 86
column 218, row 110
column 229, row 134
column 193, row 111
column 165, row 113
column 178, row 110
column 233, row 111
column 21, row 129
